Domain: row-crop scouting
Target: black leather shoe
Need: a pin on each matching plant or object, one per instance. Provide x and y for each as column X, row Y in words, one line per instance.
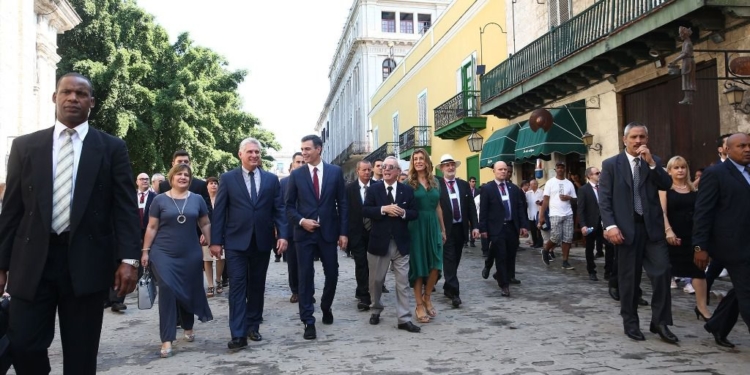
column 592, row 277
column 614, row 293
column 327, row 316
column 237, row 343
column 664, row 332
column 374, row 319
column 410, row 327
column 255, row 336
column 642, row 302
column 721, row 341
column 513, row 280
column 485, row 273
column 456, row 301
column 118, row 307
column 309, row 332
column 363, row 306
column 635, row 334
column 505, row 292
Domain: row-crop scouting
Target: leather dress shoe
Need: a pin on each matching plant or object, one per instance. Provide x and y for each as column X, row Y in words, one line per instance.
column 456, row 301
column 642, row 302
column 513, row 280
column 635, row 334
column 294, row 298
column 410, row 327
column 363, row 306
column 505, row 291
column 614, row 293
column 309, row 332
column 327, row 316
column 721, row 341
column 237, row 343
column 485, row 273
column 592, row 277
column 255, row 336
column 374, row 319
column 664, row 332
column 118, row 307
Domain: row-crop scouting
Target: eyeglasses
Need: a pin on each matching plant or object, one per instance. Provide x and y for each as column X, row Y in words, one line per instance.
column 143, row 179
column 389, row 167
column 597, row 173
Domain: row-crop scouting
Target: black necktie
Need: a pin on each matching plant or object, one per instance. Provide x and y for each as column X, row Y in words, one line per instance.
column 637, row 204
column 253, row 192
column 390, row 195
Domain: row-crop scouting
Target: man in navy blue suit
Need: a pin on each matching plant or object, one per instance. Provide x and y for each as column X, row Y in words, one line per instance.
column 316, row 203
column 291, row 251
column 248, row 207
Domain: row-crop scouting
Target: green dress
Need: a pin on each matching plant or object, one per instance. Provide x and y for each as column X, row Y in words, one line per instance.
column 426, row 252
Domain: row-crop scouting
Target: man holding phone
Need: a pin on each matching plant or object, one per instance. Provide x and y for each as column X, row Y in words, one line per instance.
column 559, row 195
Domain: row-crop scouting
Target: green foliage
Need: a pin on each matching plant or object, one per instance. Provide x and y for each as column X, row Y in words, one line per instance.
column 158, row 97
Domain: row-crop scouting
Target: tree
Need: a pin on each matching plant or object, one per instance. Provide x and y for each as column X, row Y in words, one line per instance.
column 156, row 96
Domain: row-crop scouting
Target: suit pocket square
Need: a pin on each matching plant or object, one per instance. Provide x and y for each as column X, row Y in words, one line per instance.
column 403, row 202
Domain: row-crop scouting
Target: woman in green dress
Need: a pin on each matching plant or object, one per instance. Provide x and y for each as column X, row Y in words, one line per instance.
column 427, row 235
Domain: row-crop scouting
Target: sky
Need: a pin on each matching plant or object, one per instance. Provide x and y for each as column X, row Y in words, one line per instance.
column 286, row 47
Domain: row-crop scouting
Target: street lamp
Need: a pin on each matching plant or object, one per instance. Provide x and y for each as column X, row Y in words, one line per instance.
column 588, row 141
column 735, row 97
column 475, row 141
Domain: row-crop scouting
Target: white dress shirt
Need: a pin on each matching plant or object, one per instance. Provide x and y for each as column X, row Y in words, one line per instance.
column 58, row 136
column 256, row 177
column 531, row 198
column 362, row 189
column 454, row 195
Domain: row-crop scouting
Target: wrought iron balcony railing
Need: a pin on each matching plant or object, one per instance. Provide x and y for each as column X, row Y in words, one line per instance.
column 596, row 22
column 387, row 149
column 417, row 136
column 465, row 104
column 355, row 148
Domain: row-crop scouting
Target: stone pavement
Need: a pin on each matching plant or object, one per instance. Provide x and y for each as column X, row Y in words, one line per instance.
column 556, row 322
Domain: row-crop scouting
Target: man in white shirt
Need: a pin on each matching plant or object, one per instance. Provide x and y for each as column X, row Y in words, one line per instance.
column 559, row 194
column 377, row 170
column 534, row 198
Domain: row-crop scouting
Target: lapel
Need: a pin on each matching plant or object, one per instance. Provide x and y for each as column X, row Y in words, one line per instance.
column 241, row 181
column 41, row 152
column 323, row 179
column 736, row 173
column 624, row 166
column 307, row 179
column 644, row 172
column 86, row 175
column 265, row 182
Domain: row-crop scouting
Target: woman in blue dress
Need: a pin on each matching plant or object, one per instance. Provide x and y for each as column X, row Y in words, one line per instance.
column 427, row 235
column 172, row 248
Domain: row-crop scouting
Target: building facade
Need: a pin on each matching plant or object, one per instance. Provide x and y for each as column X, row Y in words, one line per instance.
column 376, row 37
column 28, row 46
column 432, row 102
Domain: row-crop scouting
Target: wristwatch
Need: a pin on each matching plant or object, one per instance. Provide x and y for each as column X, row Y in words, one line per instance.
column 132, row 262
column 697, row 249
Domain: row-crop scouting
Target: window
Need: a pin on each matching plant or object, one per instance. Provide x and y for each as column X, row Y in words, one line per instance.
column 559, row 12
column 395, row 132
column 424, row 23
column 422, row 136
column 388, row 66
column 388, row 22
column 407, row 23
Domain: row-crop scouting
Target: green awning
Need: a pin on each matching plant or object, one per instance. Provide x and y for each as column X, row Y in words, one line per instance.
column 501, row 146
column 564, row 137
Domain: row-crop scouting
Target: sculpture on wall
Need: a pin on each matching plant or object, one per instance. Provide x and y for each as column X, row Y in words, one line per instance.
column 688, row 65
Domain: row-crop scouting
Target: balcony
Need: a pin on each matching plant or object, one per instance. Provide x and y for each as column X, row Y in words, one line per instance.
column 355, row 148
column 459, row 116
column 387, row 149
column 609, row 38
column 412, row 139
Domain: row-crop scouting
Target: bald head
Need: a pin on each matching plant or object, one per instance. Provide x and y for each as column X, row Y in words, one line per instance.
column 142, row 182
column 500, row 169
column 738, row 146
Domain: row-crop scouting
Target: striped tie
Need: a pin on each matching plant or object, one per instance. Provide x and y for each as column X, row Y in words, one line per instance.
column 63, row 185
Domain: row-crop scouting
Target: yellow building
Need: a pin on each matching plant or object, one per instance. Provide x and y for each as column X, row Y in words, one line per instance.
column 431, row 98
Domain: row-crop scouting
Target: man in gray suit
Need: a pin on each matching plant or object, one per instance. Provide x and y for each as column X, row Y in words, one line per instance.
column 633, row 219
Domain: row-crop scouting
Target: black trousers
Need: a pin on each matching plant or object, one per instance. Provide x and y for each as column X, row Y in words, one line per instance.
column 32, row 323
column 536, row 234
column 291, row 266
column 653, row 256
column 736, row 302
column 712, row 273
column 502, row 252
column 595, row 240
column 361, row 269
column 452, row 251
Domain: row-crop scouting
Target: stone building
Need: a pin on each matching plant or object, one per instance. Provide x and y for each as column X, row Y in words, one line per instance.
column 28, row 64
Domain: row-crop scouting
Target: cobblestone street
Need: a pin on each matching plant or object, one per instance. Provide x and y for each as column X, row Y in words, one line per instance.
column 556, row 322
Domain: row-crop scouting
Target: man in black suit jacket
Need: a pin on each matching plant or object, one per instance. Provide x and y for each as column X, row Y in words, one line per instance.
column 460, row 218
column 197, row 186
column 359, row 232
column 64, row 262
column 390, row 205
column 631, row 212
column 722, row 216
column 291, row 251
column 502, row 208
column 589, row 218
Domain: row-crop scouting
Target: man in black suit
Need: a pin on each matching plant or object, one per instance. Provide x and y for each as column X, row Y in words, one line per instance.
column 359, row 232
column 591, row 224
column 722, row 216
column 474, row 193
column 69, row 211
column 634, row 222
column 460, row 218
column 291, row 251
column 390, row 205
column 197, row 186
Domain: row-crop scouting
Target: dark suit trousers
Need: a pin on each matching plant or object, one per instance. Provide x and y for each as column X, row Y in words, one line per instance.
column 737, row 301
column 291, row 265
column 654, row 257
column 247, row 278
column 361, row 269
column 596, row 240
column 306, row 250
column 712, row 273
column 32, row 323
column 452, row 251
column 725, row 316
column 536, row 234
column 508, row 258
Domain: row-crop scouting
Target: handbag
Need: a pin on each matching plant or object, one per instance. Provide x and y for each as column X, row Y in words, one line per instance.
column 146, row 290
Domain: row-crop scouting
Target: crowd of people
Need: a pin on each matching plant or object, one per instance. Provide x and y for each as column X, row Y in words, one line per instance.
column 636, row 212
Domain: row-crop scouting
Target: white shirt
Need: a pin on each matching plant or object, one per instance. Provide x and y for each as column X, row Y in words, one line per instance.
column 631, row 160
column 138, row 198
column 456, row 194
column 393, row 194
column 362, row 189
column 320, row 174
column 596, row 190
column 531, row 198
column 506, row 196
column 553, row 189
column 256, row 177
column 58, row 136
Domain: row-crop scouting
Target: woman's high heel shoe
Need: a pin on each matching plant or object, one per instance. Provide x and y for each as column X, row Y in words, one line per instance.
column 699, row 315
column 421, row 319
column 429, row 308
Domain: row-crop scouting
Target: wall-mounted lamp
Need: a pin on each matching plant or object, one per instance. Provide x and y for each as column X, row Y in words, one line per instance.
column 588, row 141
column 475, row 141
column 481, row 68
column 735, row 97
column 612, row 79
column 716, row 37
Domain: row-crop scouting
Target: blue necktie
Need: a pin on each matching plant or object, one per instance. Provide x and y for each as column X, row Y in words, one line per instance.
column 253, row 191
column 506, row 203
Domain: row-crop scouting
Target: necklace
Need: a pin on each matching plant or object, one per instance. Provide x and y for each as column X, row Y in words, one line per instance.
column 680, row 187
column 181, row 219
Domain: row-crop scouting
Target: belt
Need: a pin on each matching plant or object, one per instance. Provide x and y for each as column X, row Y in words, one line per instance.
column 59, row 239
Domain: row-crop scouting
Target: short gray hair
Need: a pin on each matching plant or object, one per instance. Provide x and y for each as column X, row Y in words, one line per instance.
column 634, row 125
column 157, row 175
column 250, row 140
column 393, row 158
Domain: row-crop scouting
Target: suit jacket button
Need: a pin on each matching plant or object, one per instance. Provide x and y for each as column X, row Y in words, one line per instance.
column 28, row 239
